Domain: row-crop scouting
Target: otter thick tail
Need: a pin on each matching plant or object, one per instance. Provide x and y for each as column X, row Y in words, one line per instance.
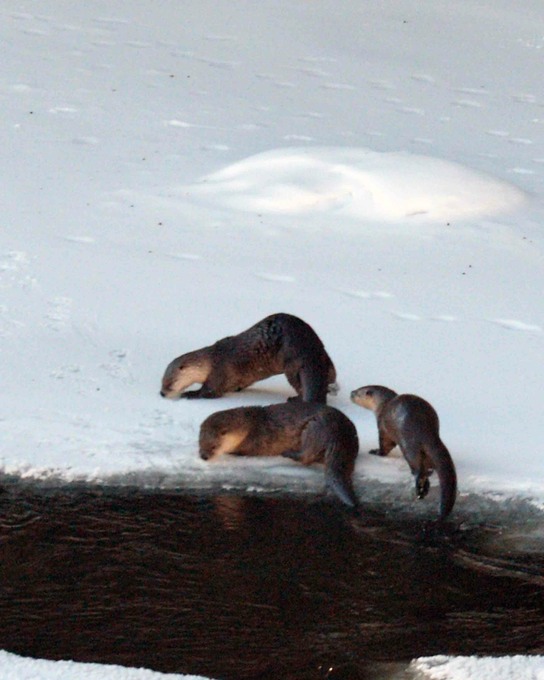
column 442, row 462
column 331, row 438
column 338, row 476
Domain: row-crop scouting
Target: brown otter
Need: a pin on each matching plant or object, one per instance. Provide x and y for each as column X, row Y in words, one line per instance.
column 412, row 423
column 305, row 432
column 280, row 343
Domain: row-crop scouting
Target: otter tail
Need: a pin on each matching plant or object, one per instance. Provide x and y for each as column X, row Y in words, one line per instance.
column 443, row 464
column 339, row 464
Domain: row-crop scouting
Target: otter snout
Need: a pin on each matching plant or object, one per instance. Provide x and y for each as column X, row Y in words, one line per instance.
column 206, row 455
column 169, row 394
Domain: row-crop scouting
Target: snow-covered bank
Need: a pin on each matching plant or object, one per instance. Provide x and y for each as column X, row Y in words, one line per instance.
column 24, row 668
column 407, row 234
column 476, row 668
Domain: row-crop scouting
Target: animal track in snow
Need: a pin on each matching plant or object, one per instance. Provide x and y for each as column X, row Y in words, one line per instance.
column 336, row 86
column 381, row 84
column 65, row 371
column 524, row 98
column 63, row 109
column 212, row 37
column 58, row 313
column 13, row 270
column 217, row 63
column 406, row 316
column 312, row 72
column 411, row 110
column 515, row 325
column 183, row 256
column 279, row 278
column 117, row 366
column 522, row 141
column 423, row 78
column 367, row 295
column 79, row 239
column 446, row 318
column 472, row 90
column 467, row 104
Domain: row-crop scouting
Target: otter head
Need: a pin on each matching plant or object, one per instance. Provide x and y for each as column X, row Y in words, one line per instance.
column 182, row 372
column 372, row 397
column 220, row 433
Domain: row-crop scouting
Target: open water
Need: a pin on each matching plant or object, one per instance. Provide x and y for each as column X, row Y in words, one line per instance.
column 239, row 587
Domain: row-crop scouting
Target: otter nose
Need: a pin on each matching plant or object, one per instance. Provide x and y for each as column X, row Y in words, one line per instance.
column 205, row 455
column 163, row 394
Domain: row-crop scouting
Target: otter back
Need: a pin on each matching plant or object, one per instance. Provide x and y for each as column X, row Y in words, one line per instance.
column 280, row 343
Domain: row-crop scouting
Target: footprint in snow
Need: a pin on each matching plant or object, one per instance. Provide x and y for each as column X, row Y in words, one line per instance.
column 467, row 104
column 59, row 310
column 423, row 78
column 278, row 278
column 366, row 294
column 405, row 316
column 118, row 366
column 515, row 325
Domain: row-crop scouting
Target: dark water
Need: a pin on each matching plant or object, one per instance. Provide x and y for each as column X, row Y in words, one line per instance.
column 245, row 587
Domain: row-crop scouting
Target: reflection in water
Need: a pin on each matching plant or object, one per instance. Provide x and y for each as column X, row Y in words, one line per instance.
column 244, row 587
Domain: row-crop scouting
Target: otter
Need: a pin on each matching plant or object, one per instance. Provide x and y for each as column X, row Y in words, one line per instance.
column 302, row 431
column 412, row 423
column 280, row 343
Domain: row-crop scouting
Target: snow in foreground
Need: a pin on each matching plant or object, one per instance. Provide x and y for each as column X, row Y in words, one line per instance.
column 14, row 667
column 474, row 668
column 430, row 668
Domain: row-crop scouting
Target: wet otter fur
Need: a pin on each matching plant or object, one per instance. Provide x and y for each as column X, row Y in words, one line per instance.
column 280, row 343
column 413, row 424
column 305, row 432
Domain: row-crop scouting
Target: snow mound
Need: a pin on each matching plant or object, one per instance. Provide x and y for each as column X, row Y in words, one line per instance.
column 355, row 183
column 480, row 668
column 24, row 668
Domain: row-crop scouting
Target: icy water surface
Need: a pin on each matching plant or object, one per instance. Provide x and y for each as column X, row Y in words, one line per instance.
column 241, row 587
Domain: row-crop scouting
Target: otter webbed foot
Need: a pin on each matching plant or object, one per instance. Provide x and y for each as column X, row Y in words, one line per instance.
column 376, row 452
column 422, row 487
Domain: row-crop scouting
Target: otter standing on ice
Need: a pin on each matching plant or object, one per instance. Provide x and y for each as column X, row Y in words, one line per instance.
column 280, row 343
column 307, row 433
column 412, row 423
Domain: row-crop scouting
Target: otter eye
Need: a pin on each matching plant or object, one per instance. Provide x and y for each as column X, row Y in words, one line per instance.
column 369, row 393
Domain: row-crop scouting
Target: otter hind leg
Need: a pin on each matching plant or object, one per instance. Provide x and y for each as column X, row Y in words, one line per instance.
column 416, row 459
column 314, row 384
column 309, row 382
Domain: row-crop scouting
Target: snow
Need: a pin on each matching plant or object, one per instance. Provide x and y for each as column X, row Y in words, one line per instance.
column 469, row 667
column 172, row 174
column 25, row 668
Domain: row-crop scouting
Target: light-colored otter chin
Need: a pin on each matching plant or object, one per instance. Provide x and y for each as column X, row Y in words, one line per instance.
column 185, row 378
column 228, row 443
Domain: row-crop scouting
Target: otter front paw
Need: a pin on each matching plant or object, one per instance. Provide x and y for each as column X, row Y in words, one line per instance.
column 376, row 452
